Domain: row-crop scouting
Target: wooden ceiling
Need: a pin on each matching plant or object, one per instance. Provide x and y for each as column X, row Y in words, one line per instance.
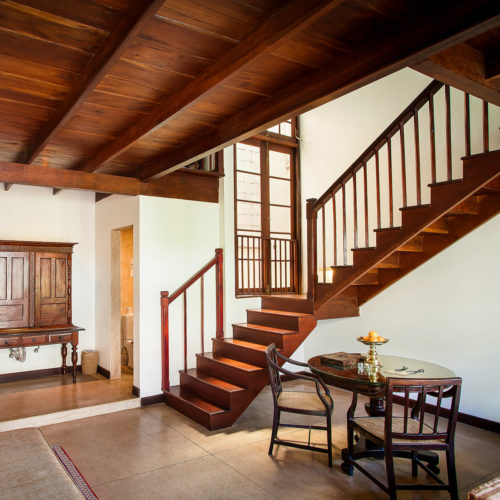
column 112, row 95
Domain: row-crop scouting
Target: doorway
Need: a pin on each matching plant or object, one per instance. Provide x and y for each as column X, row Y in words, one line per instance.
column 122, row 303
column 267, row 250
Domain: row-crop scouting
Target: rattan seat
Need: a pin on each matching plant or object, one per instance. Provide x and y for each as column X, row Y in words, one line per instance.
column 376, row 427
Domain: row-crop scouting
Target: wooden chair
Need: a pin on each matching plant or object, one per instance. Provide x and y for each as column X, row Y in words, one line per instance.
column 420, row 428
column 318, row 403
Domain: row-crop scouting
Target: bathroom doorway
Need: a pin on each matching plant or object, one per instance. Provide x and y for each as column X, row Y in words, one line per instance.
column 122, row 304
column 127, row 300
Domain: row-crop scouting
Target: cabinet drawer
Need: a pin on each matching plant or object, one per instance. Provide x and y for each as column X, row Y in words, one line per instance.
column 9, row 341
column 34, row 339
column 60, row 337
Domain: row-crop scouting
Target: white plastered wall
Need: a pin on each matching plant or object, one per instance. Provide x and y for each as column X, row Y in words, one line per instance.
column 447, row 310
column 35, row 214
column 177, row 238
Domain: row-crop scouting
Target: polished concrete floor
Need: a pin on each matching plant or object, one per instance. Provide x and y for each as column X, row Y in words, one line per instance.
column 28, row 398
column 156, row 453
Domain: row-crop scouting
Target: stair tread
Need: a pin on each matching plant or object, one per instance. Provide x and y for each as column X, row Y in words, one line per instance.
column 195, row 400
column 209, row 379
column 281, row 313
column 382, row 229
column 269, row 329
column 245, row 343
column 232, row 362
column 289, row 296
column 415, row 207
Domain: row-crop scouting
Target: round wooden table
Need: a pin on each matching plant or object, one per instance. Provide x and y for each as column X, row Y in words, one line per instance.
column 374, row 387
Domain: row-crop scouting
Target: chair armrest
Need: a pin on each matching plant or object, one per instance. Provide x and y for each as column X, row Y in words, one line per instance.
column 288, row 360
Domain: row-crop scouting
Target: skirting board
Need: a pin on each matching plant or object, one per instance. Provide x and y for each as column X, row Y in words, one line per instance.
column 47, row 372
column 152, row 400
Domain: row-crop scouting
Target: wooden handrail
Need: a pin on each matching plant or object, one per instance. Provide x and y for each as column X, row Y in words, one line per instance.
column 167, row 299
column 406, row 115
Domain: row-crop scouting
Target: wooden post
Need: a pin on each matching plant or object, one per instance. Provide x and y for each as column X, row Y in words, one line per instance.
column 219, row 294
column 311, row 247
column 165, row 382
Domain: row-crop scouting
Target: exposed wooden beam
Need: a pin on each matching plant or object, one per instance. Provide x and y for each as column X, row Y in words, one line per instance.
column 438, row 28
column 114, row 45
column 187, row 185
column 294, row 17
column 491, row 66
column 463, row 67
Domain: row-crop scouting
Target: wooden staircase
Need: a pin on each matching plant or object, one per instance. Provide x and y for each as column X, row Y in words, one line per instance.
column 226, row 380
column 456, row 209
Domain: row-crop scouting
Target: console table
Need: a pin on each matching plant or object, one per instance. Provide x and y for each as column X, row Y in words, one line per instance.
column 35, row 297
column 31, row 337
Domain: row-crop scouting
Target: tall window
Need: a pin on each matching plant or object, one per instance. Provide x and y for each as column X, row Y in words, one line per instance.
column 265, row 212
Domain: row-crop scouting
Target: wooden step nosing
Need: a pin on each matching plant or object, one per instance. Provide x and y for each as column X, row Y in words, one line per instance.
column 242, row 369
column 228, row 390
column 265, row 329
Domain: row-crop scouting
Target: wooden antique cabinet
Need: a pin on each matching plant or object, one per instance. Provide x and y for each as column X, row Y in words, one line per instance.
column 35, row 296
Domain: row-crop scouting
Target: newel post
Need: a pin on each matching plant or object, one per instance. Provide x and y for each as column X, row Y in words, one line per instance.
column 311, row 247
column 165, row 378
column 219, row 294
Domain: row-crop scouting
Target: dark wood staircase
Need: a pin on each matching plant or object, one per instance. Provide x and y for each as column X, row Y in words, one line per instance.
column 226, row 380
column 456, row 209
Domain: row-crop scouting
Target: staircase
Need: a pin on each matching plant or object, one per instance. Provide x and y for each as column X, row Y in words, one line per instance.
column 226, row 380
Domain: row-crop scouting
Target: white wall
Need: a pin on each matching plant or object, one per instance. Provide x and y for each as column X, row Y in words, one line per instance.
column 177, row 238
column 447, row 310
column 35, row 214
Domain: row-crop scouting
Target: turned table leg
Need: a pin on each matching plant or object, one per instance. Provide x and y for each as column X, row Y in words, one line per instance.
column 64, row 352
column 74, row 359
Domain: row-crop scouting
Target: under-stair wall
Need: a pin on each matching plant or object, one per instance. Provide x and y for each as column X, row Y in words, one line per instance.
column 431, row 312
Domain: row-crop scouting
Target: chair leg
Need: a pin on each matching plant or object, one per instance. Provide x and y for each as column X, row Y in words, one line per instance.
column 452, row 473
column 391, row 479
column 329, row 438
column 347, row 466
column 276, row 422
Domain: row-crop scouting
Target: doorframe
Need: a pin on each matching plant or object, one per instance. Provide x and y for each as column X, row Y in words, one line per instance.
column 115, row 365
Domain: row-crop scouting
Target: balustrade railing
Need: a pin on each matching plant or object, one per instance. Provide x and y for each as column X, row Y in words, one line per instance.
column 422, row 146
column 266, row 265
column 167, row 299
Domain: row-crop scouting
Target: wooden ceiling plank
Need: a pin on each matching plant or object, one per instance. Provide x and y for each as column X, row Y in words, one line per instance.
column 412, row 43
column 463, row 67
column 114, row 45
column 295, row 16
column 184, row 185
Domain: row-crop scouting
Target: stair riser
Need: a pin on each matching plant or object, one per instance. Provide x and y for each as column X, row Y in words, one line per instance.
column 291, row 305
column 360, row 256
column 215, row 395
column 261, row 337
column 276, row 321
column 240, row 353
column 211, row 422
column 229, row 373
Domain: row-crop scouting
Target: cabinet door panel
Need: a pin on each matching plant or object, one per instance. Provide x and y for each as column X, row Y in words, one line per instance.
column 51, row 289
column 14, row 289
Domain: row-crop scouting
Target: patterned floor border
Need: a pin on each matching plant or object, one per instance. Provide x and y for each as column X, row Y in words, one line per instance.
column 73, row 472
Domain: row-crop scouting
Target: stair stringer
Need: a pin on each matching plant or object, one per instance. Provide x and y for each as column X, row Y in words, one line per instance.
column 479, row 171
